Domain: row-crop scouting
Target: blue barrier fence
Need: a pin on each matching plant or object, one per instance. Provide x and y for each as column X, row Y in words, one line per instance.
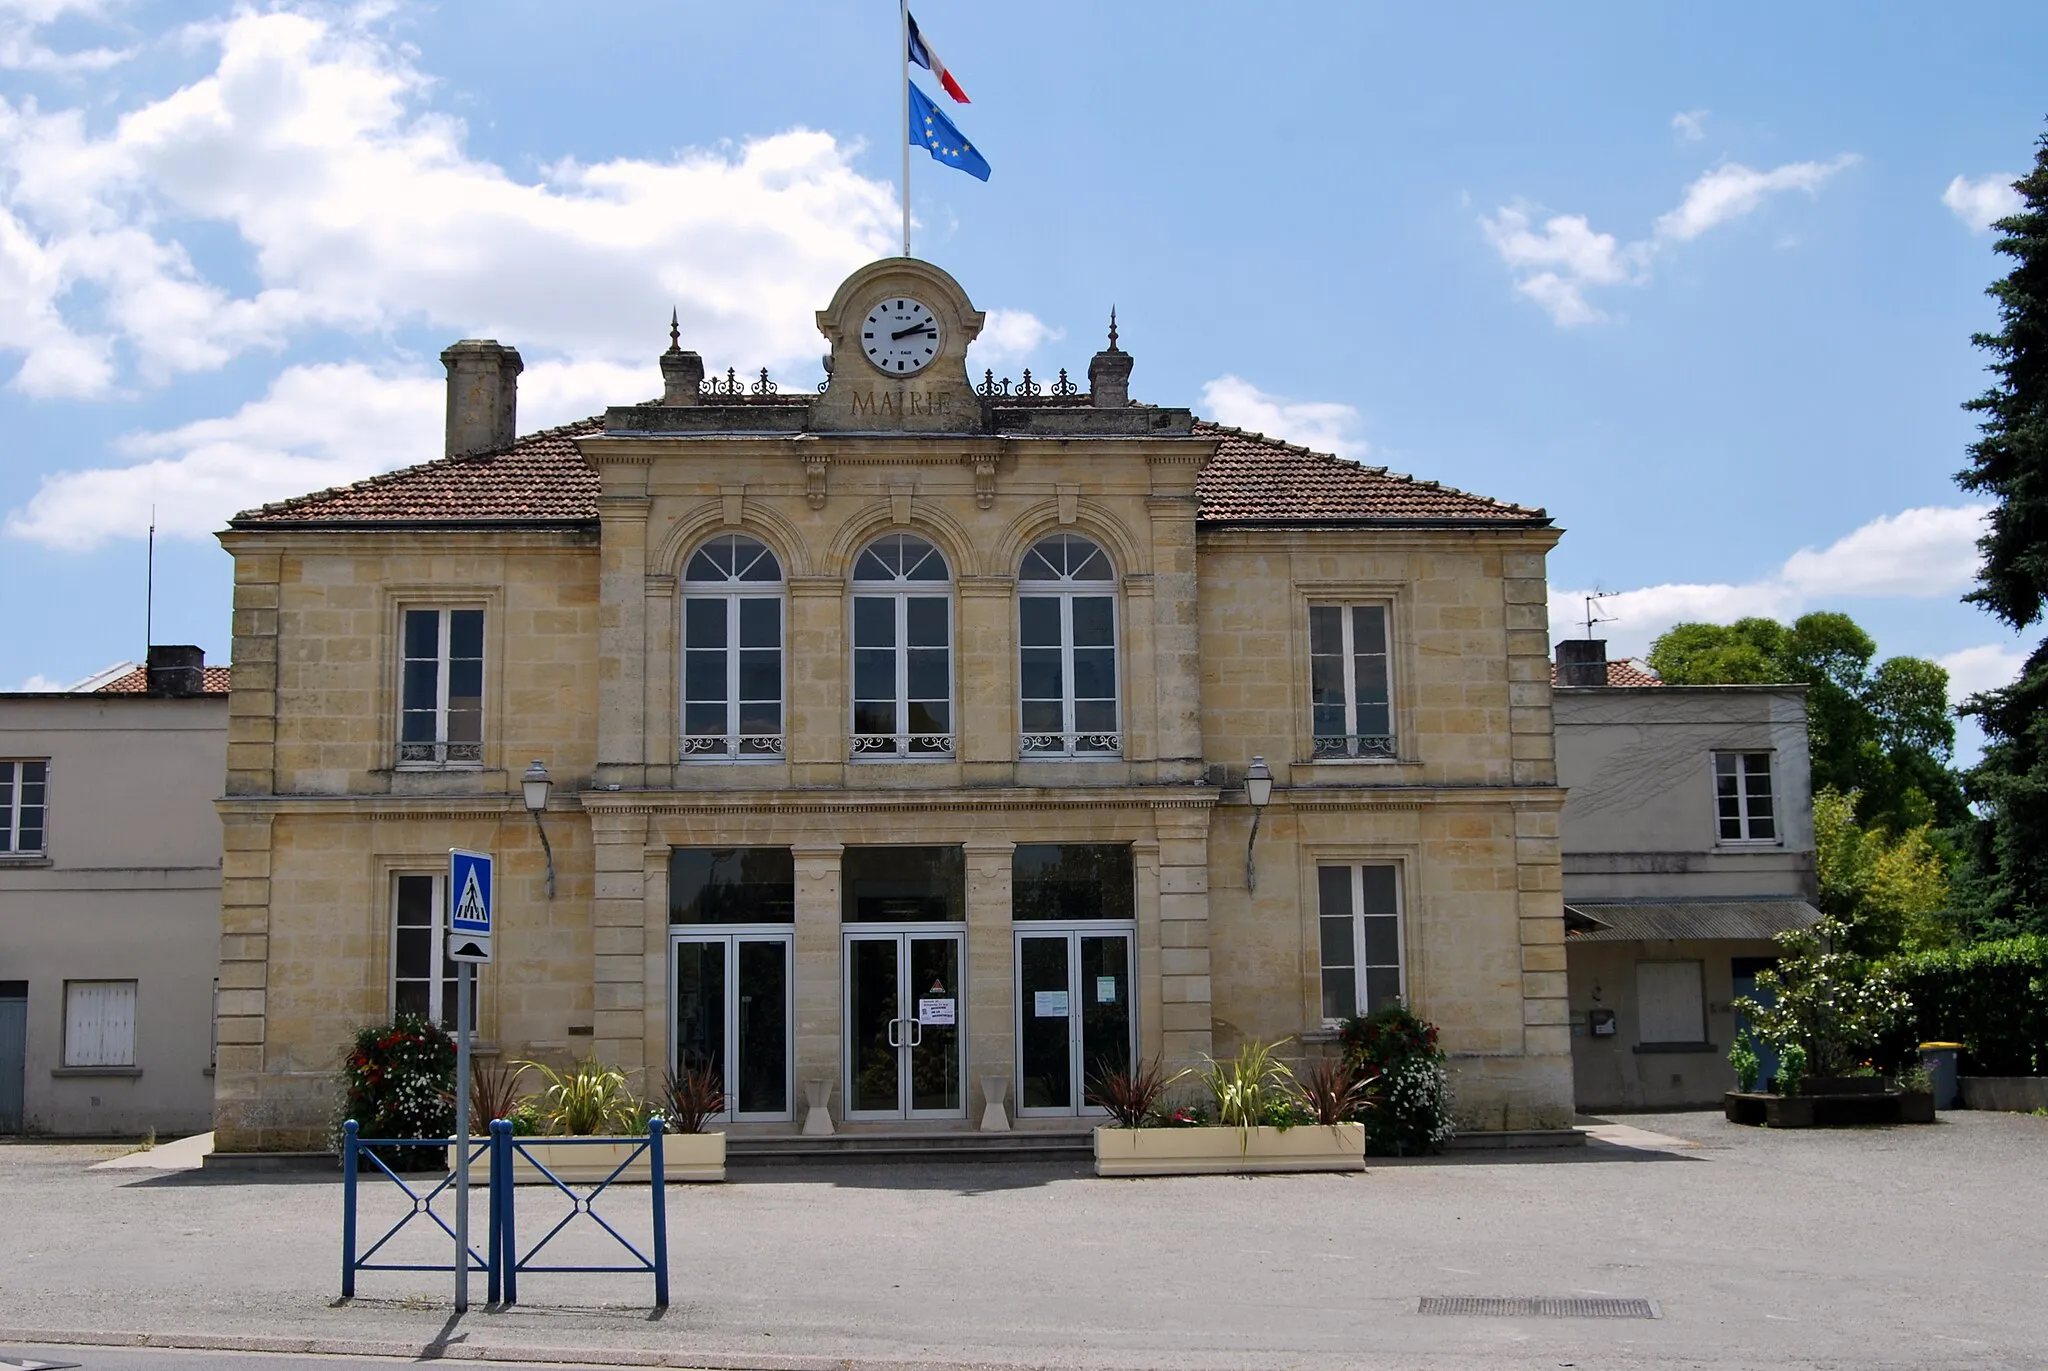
column 502, row 1261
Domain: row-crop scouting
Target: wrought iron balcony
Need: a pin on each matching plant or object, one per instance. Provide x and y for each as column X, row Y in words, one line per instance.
column 732, row 747
column 440, row 754
column 1340, row 746
column 871, row 747
column 1070, row 744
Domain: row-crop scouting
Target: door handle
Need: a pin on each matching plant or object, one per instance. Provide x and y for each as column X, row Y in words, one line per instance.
column 892, row 1033
column 917, row 1032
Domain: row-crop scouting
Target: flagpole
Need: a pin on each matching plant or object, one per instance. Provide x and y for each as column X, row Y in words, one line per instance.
column 903, row 130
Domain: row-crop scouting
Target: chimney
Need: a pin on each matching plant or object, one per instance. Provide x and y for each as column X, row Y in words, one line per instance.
column 176, row 672
column 483, row 395
column 1582, row 662
column 1109, row 373
column 681, row 372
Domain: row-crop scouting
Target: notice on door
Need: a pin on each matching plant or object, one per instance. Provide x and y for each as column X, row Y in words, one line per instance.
column 1105, row 990
column 1049, row 1004
column 937, row 1013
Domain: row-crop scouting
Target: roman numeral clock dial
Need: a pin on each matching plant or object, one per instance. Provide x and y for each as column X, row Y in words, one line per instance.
column 900, row 336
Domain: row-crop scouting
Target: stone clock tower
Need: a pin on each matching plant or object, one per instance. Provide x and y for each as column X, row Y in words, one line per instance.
column 898, row 331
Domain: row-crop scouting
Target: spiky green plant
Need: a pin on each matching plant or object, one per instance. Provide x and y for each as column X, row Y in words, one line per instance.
column 585, row 1100
column 1252, row 1088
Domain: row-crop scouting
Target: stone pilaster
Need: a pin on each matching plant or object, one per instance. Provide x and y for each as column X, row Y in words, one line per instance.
column 991, row 973
column 818, row 981
column 618, row 919
column 985, row 670
column 1532, row 749
column 239, row 1113
column 252, row 702
column 659, row 671
column 1186, row 1013
column 622, row 629
column 1176, row 629
column 819, row 717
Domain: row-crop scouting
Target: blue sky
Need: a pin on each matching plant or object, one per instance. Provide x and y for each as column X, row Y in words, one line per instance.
column 1700, row 282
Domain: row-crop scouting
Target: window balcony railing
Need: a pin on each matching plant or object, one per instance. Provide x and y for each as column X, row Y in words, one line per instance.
column 883, row 746
column 732, row 747
column 440, row 754
column 1341, row 746
column 1070, row 744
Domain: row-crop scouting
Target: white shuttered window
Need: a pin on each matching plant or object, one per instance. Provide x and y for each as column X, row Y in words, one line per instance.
column 1671, row 1002
column 99, row 1023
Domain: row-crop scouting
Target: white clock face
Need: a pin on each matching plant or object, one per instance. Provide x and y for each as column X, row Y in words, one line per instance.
column 900, row 336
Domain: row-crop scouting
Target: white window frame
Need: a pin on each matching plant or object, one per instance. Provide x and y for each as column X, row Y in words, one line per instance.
column 441, row 753
column 1743, row 797
column 1071, row 741
column 440, row 988
column 102, row 1046
column 12, row 786
column 1352, row 745
column 732, row 745
column 1356, row 871
column 903, row 745
column 1698, row 979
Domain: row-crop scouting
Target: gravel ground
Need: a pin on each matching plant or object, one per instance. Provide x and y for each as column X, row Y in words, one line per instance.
column 1885, row 1247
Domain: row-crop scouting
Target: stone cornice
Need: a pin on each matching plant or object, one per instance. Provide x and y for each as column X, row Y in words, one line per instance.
column 954, row 801
column 1325, row 799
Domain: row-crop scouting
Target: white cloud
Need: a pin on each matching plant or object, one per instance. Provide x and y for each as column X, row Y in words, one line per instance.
column 1322, row 425
column 22, row 50
column 359, row 210
column 1920, row 554
column 1010, row 335
column 1556, row 263
column 1977, row 669
column 1690, row 125
column 1985, row 200
column 39, row 684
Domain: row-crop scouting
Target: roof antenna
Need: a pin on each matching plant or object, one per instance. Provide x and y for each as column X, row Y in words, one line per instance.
column 149, row 589
column 1593, row 614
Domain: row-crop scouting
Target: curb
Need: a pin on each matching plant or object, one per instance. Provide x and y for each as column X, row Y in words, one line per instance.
column 472, row 1352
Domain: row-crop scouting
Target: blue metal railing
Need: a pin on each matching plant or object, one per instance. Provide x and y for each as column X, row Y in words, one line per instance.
column 501, row 1262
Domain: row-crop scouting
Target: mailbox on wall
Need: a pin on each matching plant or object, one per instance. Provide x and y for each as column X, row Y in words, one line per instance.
column 1601, row 1022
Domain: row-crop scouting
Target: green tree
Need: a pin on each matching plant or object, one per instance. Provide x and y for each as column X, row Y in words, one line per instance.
column 1884, row 734
column 1891, row 893
column 2009, row 462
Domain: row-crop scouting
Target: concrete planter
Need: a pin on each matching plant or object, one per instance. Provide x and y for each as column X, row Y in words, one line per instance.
column 1854, row 1109
column 1916, row 1106
column 1214, row 1151
column 2016, row 1094
column 685, row 1157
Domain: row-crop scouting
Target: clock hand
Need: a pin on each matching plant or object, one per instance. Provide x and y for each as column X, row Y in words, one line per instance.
column 925, row 329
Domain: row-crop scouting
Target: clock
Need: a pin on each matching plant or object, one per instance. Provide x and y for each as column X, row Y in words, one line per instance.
column 900, row 336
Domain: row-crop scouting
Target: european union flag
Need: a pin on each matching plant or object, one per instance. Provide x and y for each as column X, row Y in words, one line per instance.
column 931, row 130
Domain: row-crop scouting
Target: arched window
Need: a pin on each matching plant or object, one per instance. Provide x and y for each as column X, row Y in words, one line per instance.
column 732, row 651
column 902, row 650
column 1066, row 646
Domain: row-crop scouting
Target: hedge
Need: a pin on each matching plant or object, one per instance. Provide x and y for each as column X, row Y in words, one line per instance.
column 1992, row 997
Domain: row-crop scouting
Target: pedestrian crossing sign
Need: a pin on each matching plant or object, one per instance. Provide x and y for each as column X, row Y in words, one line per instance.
column 469, row 892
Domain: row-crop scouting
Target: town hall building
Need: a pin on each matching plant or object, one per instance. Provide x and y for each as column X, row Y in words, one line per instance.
column 896, row 740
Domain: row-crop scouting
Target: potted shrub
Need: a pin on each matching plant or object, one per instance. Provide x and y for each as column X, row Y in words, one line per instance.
column 398, row 1081
column 585, row 1100
column 1410, row 1088
column 1267, row 1119
column 690, row 1099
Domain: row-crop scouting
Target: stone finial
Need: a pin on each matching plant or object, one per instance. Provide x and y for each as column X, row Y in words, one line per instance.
column 681, row 372
column 483, row 395
column 1109, row 373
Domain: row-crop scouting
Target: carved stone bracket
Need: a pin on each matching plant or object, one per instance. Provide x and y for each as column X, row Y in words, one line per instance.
column 814, row 480
column 984, row 480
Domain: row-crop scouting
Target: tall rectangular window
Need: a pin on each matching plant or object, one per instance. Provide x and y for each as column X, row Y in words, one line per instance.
column 99, row 1023
column 1359, row 919
column 441, row 688
column 1066, row 644
column 1351, row 690
column 24, row 787
column 902, row 650
column 422, row 976
column 732, row 652
column 1742, row 797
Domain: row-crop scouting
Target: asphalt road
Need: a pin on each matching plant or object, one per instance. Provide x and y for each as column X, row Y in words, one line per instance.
column 1879, row 1248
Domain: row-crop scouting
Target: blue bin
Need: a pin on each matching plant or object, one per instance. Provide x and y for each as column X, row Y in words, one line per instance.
column 1940, row 1061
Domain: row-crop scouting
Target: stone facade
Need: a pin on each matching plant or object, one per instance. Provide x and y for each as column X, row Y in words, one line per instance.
column 582, row 645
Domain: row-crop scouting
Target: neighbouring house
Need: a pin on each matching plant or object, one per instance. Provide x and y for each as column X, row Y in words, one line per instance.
column 110, row 896
column 1688, row 843
column 906, row 742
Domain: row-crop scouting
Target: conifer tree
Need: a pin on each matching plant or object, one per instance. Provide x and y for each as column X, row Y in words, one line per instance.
column 2009, row 462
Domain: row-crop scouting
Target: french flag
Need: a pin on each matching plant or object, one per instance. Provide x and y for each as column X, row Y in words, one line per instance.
column 922, row 54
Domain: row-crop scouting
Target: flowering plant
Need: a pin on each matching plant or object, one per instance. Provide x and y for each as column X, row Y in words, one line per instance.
column 1411, row 1100
column 398, row 1081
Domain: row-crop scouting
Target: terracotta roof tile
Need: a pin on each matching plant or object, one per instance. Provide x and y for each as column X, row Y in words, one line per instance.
column 136, row 682
column 1623, row 671
column 542, row 478
column 1261, row 480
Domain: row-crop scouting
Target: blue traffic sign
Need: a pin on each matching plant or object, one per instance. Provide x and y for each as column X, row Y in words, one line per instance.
column 469, row 892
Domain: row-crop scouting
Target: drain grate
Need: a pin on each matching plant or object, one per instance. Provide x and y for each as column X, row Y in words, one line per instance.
column 1537, row 1307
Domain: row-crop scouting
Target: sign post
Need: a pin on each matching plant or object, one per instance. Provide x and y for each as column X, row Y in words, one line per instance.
column 469, row 944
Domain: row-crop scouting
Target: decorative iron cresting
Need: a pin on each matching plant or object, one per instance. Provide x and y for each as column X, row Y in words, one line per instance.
column 1027, row 392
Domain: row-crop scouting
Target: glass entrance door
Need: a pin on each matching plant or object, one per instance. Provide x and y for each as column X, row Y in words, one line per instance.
column 1074, row 1017
column 903, row 1025
column 732, row 1014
